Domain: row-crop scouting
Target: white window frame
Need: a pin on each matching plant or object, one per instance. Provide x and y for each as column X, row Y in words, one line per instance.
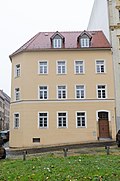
column 80, row 91
column 43, row 127
column 43, row 92
column 102, row 91
column 100, row 66
column 82, row 64
column 84, row 42
column 81, row 120
column 62, row 119
column 62, row 67
column 16, row 122
column 44, row 67
column 57, row 43
column 17, row 70
column 17, row 94
column 62, row 90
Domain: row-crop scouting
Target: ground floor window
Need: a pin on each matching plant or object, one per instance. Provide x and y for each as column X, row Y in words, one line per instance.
column 80, row 119
column 62, row 119
column 43, row 119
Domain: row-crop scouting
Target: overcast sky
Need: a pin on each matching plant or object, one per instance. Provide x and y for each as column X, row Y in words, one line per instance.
column 20, row 20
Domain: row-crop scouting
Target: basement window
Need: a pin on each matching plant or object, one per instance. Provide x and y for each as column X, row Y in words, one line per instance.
column 36, row 140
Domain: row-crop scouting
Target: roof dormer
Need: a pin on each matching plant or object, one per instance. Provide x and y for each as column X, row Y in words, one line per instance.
column 57, row 40
column 84, row 39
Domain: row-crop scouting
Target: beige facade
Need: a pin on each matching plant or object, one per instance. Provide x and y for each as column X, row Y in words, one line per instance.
column 110, row 25
column 67, row 119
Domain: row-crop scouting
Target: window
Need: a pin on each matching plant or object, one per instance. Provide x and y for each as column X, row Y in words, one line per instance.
column 43, row 119
column 16, row 120
column 84, row 42
column 101, row 91
column 57, row 43
column 17, row 70
column 62, row 120
column 17, row 94
column 100, row 66
column 80, row 119
column 79, row 67
column 61, row 92
column 43, row 92
column 80, row 91
column 119, row 14
column 61, row 67
column 43, row 67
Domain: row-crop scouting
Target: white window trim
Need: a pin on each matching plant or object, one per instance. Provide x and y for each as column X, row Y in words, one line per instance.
column 66, row 119
column 47, row 120
column 57, row 92
column 105, row 91
column 14, row 120
column 15, row 74
column 15, row 94
column 39, row 67
column 84, row 91
column 85, row 119
column 65, row 67
column 75, row 67
column 57, row 39
column 39, row 92
column 104, row 66
column 84, row 43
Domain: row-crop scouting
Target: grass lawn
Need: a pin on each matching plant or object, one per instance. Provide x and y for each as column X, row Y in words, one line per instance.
column 51, row 167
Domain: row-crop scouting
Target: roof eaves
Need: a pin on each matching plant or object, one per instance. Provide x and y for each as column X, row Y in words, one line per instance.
column 24, row 47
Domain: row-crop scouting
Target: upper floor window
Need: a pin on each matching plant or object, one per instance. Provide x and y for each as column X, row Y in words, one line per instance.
column 57, row 43
column 16, row 120
column 43, row 119
column 61, row 67
column 80, row 91
column 57, row 40
column 80, row 119
column 62, row 92
column 17, row 94
column 43, row 92
column 84, row 42
column 101, row 92
column 84, row 39
column 100, row 66
column 62, row 120
column 79, row 67
column 17, row 70
column 43, row 67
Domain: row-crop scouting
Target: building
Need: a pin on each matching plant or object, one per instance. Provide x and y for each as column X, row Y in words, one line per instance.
column 110, row 24
column 4, row 110
column 62, row 90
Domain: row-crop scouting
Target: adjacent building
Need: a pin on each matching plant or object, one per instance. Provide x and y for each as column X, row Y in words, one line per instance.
column 62, row 89
column 106, row 16
column 4, row 110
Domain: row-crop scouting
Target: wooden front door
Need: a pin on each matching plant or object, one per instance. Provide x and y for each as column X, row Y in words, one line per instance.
column 103, row 128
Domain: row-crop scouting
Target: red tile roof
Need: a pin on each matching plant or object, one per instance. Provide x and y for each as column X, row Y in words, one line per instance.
column 42, row 41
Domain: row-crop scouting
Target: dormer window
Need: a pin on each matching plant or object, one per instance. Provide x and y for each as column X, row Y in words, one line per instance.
column 57, row 43
column 84, row 40
column 57, row 40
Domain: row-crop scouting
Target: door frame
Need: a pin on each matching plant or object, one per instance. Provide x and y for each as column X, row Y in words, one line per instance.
column 97, row 118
